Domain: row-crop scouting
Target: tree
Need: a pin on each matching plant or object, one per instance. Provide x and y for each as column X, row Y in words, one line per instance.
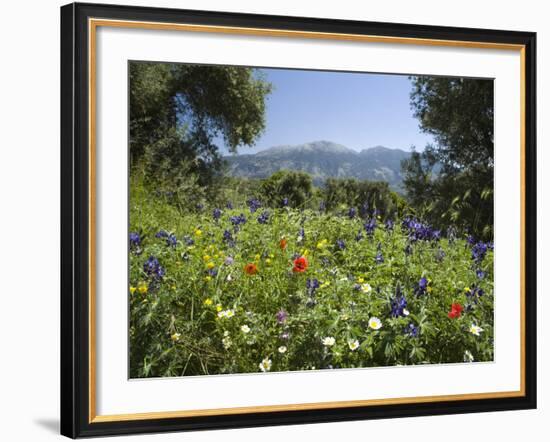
column 458, row 112
column 287, row 187
column 365, row 195
column 179, row 114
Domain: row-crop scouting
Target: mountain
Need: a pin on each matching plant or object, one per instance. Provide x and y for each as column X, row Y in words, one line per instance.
column 323, row 159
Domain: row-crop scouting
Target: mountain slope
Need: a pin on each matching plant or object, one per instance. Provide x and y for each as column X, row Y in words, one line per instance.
column 323, row 159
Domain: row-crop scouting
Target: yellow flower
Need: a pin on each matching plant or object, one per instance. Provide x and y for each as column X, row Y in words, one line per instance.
column 360, row 280
column 208, row 301
column 305, row 252
column 175, row 337
column 466, row 289
column 324, row 284
column 429, row 289
column 132, row 290
column 322, row 244
column 268, row 261
column 198, row 232
column 206, row 258
column 257, row 257
column 142, row 288
column 219, row 307
column 208, row 278
column 210, row 265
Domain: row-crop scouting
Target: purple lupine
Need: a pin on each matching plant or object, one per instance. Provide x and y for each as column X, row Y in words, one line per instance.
column 411, row 330
column 398, row 305
column 253, row 204
column 370, row 225
column 281, row 316
column 422, row 287
column 264, row 217
column 237, row 220
column 153, row 269
column 171, row 240
column 312, row 285
column 135, row 240
column 479, row 250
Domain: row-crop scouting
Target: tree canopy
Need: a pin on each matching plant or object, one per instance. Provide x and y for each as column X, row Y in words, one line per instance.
column 451, row 181
column 179, row 114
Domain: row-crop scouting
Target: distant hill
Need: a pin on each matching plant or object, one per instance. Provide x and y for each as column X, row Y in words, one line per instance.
column 323, row 159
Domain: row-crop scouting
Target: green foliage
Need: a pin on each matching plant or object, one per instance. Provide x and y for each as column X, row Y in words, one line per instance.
column 349, row 192
column 296, row 186
column 206, row 315
column 177, row 111
column 458, row 112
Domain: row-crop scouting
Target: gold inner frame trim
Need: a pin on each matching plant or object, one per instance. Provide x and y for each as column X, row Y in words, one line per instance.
column 93, row 24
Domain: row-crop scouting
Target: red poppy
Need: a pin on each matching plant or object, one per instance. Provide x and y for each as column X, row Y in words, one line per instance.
column 251, row 269
column 300, row 264
column 456, row 311
column 282, row 244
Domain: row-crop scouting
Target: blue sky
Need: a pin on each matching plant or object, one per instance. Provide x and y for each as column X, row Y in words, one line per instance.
column 357, row 110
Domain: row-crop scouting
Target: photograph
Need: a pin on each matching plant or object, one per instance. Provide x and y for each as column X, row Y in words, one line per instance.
column 288, row 219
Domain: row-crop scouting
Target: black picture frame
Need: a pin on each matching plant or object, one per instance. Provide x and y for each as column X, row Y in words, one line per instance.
column 75, row 220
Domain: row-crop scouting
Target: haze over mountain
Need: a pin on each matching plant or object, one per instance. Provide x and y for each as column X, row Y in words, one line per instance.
column 323, row 159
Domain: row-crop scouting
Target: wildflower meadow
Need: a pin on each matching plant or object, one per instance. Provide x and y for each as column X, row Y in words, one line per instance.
column 246, row 288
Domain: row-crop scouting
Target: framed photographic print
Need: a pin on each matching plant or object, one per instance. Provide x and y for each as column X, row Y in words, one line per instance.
column 275, row 220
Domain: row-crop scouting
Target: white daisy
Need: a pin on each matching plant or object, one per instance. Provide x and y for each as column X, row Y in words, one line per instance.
column 245, row 328
column 282, row 349
column 328, row 341
column 265, row 365
column 175, row 337
column 375, row 323
column 406, row 312
column 353, row 344
column 226, row 314
column 366, row 288
column 475, row 329
column 227, row 342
